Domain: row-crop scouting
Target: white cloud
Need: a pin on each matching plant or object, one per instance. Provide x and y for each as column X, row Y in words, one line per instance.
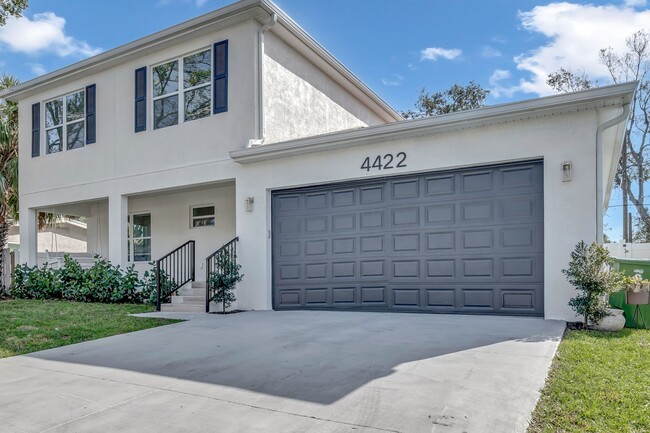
column 37, row 68
column 45, row 32
column 396, row 81
column 497, row 89
column 489, row 51
column 200, row 3
column 635, row 3
column 433, row 53
column 576, row 33
column 498, row 75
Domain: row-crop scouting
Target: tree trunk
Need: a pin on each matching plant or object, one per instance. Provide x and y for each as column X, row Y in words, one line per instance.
column 4, row 234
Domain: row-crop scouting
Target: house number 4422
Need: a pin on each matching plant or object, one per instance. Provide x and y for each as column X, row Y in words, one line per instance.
column 384, row 162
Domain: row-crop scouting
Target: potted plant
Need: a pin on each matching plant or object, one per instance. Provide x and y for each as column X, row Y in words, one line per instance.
column 637, row 290
column 590, row 272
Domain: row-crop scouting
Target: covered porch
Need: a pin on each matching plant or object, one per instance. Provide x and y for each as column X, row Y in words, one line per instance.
column 138, row 229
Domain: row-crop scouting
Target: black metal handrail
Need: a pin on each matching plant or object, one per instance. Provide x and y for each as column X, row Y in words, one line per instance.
column 174, row 270
column 212, row 265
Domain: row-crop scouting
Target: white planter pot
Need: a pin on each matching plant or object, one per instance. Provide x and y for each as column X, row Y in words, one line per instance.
column 614, row 322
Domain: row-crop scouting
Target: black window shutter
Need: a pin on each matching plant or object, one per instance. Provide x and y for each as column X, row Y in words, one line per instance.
column 220, row 85
column 141, row 99
column 36, row 129
column 91, row 118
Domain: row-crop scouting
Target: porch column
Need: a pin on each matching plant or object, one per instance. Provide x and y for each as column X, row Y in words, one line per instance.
column 118, row 208
column 28, row 236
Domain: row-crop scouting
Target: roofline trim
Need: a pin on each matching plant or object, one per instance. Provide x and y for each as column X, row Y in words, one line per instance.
column 613, row 95
column 239, row 8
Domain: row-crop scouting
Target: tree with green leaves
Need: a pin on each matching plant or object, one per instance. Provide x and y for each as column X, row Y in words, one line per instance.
column 11, row 8
column 223, row 279
column 633, row 166
column 590, row 272
column 456, row 98
column 8, row 167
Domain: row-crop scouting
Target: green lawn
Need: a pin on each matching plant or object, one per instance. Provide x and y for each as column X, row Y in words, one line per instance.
column 599, row 382
column 28, row 326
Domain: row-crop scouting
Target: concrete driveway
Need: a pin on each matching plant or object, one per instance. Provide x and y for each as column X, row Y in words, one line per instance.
column 302, row 371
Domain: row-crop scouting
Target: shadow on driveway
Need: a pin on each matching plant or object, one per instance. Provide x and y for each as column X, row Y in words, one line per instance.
column 321, row 357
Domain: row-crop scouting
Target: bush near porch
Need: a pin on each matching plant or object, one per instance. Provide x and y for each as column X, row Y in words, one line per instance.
column 103, row 282
column 32, row 325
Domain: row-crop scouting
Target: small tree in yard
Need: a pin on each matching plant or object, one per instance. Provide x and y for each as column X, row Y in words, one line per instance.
column 590, row 272
column 222, row 281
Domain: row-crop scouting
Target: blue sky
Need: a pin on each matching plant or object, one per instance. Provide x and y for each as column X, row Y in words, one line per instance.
column 396, row 47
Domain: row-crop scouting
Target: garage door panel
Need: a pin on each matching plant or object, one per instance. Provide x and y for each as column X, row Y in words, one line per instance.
column 462, row 241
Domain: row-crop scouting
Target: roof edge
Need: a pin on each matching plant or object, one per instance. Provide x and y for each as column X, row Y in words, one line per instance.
column 619, row 94
column 230, row 11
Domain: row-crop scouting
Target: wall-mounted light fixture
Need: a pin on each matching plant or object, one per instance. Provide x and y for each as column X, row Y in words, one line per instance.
column 248, row 204
column 567, row 174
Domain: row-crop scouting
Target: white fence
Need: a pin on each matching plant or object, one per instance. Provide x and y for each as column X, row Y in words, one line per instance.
column 629, row 251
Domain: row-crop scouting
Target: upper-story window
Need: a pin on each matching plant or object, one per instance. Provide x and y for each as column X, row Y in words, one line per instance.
column 185, row 82
column 65, row 122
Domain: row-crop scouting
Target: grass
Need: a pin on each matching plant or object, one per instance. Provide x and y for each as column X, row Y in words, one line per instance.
column 27, row 325
column 599, row 382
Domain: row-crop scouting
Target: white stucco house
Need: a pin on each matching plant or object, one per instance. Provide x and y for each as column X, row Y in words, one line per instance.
column 237, row 124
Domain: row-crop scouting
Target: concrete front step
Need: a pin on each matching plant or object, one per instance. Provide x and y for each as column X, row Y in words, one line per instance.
column 184, row 299
column 186, row 291
column 182, row 308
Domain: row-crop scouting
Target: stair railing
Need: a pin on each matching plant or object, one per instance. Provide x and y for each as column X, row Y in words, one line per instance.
column 174, row 270
column 212, row 264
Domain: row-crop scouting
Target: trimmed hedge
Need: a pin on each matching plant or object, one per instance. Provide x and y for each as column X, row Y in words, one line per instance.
column 102, row 283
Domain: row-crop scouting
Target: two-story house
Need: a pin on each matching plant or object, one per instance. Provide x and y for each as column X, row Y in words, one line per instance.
column 239, row 124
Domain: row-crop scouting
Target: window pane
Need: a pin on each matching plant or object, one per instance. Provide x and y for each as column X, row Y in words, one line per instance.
column 196, row 69
column 53, row 140
column 141, row 226
column 165, row 112
column 76, row 135
column 202, row 222
column 165, row 78
column 75, row 106
column 197, row 103
column 53, row 113
column 203, row 211
column 142, row 250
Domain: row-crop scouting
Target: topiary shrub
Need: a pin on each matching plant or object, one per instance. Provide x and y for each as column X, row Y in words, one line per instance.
column 223, row 280
column 590, row 272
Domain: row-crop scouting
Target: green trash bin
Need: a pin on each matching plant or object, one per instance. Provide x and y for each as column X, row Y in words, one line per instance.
column 632, row 267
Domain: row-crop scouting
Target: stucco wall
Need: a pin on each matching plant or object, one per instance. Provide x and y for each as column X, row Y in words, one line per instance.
column 569, row 207
column 119, row 152
column 170, row 221
column 301, row 101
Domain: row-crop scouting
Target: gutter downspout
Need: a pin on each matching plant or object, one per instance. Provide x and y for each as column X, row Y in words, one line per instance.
column 599, row 169
column 261, row 127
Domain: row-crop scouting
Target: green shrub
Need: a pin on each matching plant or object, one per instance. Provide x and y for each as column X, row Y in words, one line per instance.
column 222, row 281
column 590, row 272
column 148, row 289
column 35, row 283
column 103, row 283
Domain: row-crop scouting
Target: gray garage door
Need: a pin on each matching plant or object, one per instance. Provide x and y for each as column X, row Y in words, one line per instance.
column 465, row 241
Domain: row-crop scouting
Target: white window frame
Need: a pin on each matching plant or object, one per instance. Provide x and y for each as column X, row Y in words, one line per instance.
column 64, row 125
column 181, row 90
column 192, row 217
column 131, row 238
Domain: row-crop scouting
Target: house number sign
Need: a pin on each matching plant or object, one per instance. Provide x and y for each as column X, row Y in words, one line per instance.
column 384, row 162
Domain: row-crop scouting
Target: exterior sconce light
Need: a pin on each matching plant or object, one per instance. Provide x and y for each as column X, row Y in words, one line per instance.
column 248, row 204
column 566, row 171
